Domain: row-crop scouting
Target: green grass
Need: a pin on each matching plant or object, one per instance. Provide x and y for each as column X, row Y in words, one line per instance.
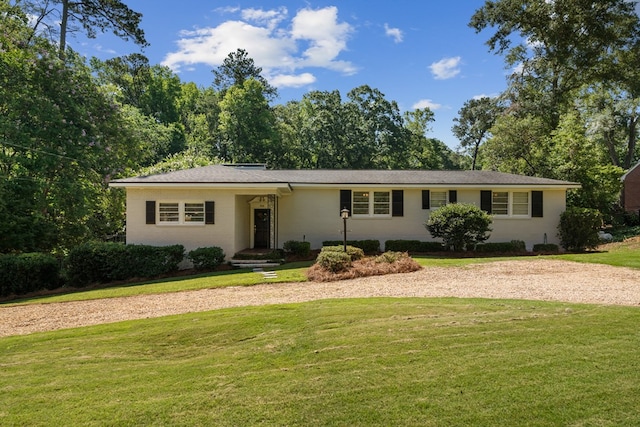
column 358, row 362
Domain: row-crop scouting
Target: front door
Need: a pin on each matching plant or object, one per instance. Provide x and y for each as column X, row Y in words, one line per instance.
column 262, row 228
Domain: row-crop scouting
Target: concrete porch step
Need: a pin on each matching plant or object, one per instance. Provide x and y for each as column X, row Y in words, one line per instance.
column 254, row 263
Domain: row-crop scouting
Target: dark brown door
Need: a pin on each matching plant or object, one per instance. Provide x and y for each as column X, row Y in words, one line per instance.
column 262, row 228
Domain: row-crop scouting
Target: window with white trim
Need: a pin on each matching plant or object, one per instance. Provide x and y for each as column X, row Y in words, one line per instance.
column 438, row 199
column 181, row 213
column 371, row 203
column 514, row 203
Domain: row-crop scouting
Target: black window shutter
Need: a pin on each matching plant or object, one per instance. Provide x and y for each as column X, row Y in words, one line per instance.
column 151, row 211
column 536, row 204
column 485, row 200
column 425, row 199
column 453, row 196
column 397, row 203
column 209, row 212
column 345, row 200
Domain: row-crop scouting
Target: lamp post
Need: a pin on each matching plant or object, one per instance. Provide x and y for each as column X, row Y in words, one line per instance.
column 344, row 213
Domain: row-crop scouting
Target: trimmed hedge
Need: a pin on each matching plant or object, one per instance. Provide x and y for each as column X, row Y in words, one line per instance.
column 512, row 246
column 106, row 262
column 297, row 248
column 207, row 258
column 354, row 252
column 25, row 273
column 334, row 261
column 368, row 246
column 413, row 246
column 546, row 247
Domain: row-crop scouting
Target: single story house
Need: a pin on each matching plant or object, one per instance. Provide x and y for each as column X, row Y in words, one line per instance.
column 237, row 207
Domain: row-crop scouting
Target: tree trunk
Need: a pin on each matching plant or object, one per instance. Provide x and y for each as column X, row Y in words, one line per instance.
column 63, row 28
column 631, row 141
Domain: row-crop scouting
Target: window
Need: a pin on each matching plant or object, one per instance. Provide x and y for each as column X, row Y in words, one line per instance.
column 169, row 212
column 194, row 212
column 508, row 203
column 520, row 205
column 438, row 199
column 181, row 213
column 381, row 201
column 361, row 203
column 500, row 203
column 371, row 203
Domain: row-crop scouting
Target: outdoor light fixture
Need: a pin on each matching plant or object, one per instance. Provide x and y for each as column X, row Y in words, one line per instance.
column 344, row 214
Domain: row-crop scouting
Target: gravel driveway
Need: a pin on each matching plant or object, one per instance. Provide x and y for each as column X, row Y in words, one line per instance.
column 531, row 279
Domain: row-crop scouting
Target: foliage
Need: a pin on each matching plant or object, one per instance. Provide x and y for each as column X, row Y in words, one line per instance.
column 208, row 258
column 92, row 15
column 514, row 246
column 106, row 262
column 413, row 246
column 297, row 248
column 461, row 226
column 355, row 253
column 333, row 260
column 578, row 228
column 368, row 246
column 546, row 248
column 236, row 69
column 476, row 118
column 21, row 274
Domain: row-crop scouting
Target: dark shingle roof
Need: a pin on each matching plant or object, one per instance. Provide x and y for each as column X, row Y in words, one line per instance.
column 219, row 174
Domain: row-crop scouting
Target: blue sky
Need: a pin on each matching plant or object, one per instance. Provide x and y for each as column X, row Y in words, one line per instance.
column 418, row 53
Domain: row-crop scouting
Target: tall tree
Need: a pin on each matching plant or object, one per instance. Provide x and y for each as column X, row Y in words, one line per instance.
column 559, row 45
column 58, row 146
column 247, row 125
column 92, row 15
column 238, row 67
column 475, row 119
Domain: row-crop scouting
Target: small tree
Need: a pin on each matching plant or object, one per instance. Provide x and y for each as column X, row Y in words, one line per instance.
column 461, row 226
column 578, row 228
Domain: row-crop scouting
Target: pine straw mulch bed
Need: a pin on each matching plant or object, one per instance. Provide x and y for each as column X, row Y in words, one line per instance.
column 365, row 267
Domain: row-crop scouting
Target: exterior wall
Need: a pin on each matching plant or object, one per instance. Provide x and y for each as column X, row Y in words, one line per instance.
column 222, row 233
column 314, row 215
column 631, row 190
column 530, row 230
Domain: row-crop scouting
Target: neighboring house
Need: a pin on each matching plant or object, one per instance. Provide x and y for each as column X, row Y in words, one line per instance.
column 238, row 207
column 631, row 190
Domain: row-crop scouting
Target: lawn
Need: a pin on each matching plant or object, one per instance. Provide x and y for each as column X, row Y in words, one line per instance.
column 360, row 362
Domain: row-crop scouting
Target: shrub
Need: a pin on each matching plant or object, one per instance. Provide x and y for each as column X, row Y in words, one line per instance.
column 30, row 272
column 206, row 258
column 504, row 247
column 546, row 248
column 578, row 229
column 368, row 246
column 294, row 247
column 98, row 262
column 413, row 246
column 389, row 257
column 353, row 252
column 461, row 226
column 334, row 261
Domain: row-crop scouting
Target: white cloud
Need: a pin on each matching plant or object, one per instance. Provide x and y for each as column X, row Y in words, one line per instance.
column 427, row 103
column 290, row 80
column 395, row 33
column 312, row 38
column 446, row 68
